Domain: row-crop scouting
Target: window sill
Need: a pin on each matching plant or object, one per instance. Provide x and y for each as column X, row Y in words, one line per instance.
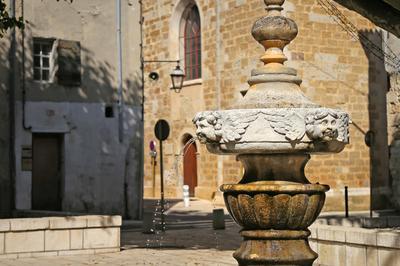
column 192, row 82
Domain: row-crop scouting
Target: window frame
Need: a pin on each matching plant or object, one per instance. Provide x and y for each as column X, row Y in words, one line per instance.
column 51, row 57
column 195, row 44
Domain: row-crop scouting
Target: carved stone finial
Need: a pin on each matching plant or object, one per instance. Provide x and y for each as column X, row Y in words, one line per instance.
column 274, row 32
column 274, row 5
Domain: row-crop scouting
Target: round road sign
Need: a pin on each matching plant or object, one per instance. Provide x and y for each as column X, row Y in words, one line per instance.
column 161, row 130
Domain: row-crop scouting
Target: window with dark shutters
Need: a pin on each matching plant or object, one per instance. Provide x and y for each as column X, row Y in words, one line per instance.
column 69, row 63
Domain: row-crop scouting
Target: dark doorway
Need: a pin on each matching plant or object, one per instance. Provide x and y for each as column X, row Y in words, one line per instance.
column 46, row 171
column 190, row 165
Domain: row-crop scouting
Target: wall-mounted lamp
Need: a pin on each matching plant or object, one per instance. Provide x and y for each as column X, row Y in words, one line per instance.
column 177, row 75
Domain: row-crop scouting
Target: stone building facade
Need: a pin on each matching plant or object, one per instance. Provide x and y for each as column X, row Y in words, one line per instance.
column 337, row 71
column 76, row 136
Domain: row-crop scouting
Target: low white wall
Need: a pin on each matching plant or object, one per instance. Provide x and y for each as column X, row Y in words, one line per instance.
column 59, row 236
column 350, row 246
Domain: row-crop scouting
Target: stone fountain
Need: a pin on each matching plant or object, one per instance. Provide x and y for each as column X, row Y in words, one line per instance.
column 273, row 130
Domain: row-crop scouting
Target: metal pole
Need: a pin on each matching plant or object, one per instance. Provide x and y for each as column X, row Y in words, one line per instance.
column 12, row 83
column 346, row 201
column 162, row 184
column 153, row 165
column 120, row 93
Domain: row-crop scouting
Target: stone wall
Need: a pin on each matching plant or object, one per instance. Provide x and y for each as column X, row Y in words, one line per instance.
column 348, row 246
column 334, row 68
column 59, row 236
column 394, row 135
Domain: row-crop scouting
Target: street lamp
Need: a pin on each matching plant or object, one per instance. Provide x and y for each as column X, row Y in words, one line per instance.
column 177, row 77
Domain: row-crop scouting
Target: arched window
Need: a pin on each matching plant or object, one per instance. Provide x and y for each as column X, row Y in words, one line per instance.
column 192, row 43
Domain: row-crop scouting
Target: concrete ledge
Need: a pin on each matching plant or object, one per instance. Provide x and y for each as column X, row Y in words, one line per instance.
column 59, row 236
column 347, row 246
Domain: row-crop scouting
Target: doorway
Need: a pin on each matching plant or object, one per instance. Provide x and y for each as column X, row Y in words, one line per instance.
column 46, row 171
column 190, row 164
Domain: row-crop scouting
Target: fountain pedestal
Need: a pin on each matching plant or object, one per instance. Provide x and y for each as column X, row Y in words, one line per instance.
column 273, row 131
column 274, row 203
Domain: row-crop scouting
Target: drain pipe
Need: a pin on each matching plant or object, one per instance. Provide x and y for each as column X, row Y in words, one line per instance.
column 141, row 22
column 23, row 86
column 220, row 162
column 120, row 92
column 141, row 184
column 11, row 106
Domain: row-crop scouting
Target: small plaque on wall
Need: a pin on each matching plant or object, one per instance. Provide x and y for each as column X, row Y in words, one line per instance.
column 26, row 158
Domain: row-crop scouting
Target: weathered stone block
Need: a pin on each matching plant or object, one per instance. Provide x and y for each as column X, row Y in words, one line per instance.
column 16, row 242
column 76, row 239
column 57, row 240
column 103, row 220
column 361, row 236
column 330, row 233
column 68, row 222
column 313, row 231
column 27, row 224
column 331, row 253
column 388, row 239
column 355, row 255
column 1, row 243
column 372, row 256
column 101, row 238
column 388, row 257
column 4, row 225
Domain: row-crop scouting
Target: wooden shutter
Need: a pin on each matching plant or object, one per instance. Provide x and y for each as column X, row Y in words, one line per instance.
column 69, row 63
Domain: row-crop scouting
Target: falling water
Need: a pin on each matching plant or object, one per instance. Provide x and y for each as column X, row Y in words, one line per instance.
column 159, row 225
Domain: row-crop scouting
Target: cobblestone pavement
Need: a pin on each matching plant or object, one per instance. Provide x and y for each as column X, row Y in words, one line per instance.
column 189, row 240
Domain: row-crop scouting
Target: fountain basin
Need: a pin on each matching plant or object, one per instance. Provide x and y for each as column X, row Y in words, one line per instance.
column 277, row 205
column 273, row 130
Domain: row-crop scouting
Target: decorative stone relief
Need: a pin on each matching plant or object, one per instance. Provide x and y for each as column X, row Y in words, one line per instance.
column 320, row 124
column 327, row 124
